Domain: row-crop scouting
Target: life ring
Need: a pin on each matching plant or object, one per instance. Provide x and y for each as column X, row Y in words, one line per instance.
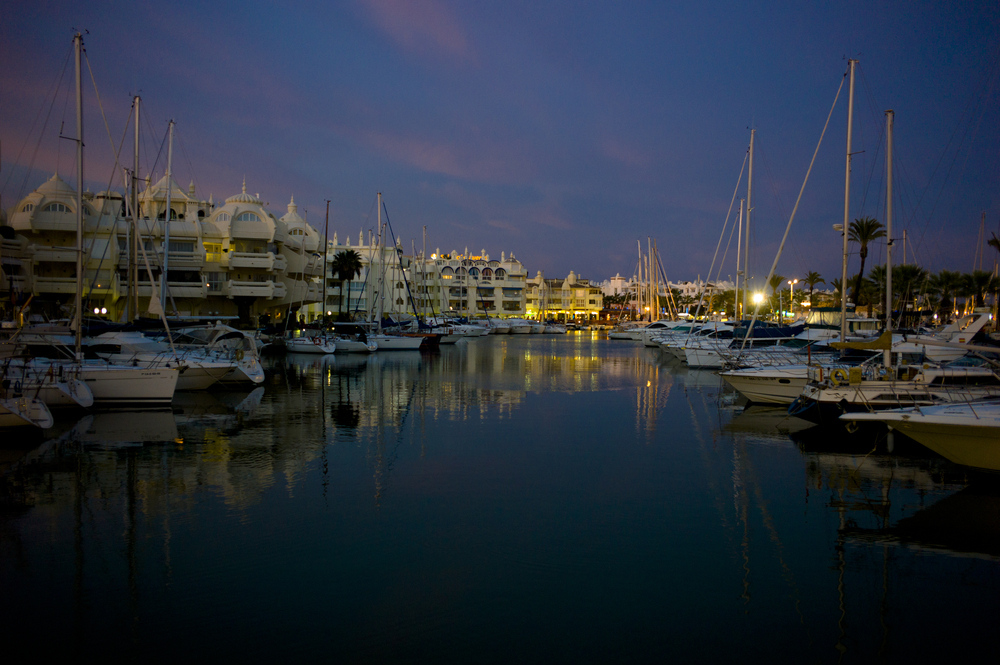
column 239, row 354
column 839, row 376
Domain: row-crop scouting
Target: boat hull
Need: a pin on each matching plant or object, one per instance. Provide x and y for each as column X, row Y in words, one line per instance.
column 967, row 434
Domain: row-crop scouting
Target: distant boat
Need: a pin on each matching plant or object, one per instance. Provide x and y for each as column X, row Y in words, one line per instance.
column 313, row 344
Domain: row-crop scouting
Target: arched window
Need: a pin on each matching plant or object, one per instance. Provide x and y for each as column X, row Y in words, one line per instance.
column 173, row 215
column 56, row 207
column 28, row 207
column 474, row 273
column 223, row 217
column 500, row 273
column 247, row 217
column 447, row 271
column 487, row 274
column 461, row 272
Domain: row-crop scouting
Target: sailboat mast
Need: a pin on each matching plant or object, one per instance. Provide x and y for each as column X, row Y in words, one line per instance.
column 649, row 277
column 133, row 251
column 166, row 219
column 638, row 287
column 380, row 285
column 746, row 240
column 78, row 315
column 739, row 249
column 326, row 246
column 890, row 116
column 423, row 278
column 847, row 203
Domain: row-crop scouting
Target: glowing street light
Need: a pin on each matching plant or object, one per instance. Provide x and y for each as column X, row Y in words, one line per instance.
column 791, row 295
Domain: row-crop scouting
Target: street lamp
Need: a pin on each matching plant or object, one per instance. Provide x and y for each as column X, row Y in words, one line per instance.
column 791, row 295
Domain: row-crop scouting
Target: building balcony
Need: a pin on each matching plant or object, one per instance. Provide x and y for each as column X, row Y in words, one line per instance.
column 181, row 260
column 54, row 222
column 250, row 230
column 251, row 260
column 187, row 290
column 281, row 264
column 280, row 290
column 19, row 282
column 249, row 289
column 55, row 285
column 54, row 254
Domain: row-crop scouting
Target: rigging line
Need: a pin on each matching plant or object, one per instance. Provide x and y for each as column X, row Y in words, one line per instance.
column 107, row 247
column 782, row 209
column 990, row 76
column 729, row 243
column 788, row 228
column 722, row 235
column 68, row 96
column 104, row 117
column 399, row 257
column 151, row 172
column 54, row 93
column 871, row 173
column 190, row 165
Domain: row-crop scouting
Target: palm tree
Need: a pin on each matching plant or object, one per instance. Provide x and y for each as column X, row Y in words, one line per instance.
column 981, row 283
column 811, row 279
column 775, row 283
column 944, row 286
column 863, row 231
column 838, row 291
column 346, row 265
column 908, row 281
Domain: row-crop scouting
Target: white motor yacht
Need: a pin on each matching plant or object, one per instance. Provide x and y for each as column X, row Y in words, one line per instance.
column 966, row 433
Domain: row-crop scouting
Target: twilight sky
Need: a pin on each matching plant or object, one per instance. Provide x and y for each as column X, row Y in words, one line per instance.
column 564, row 132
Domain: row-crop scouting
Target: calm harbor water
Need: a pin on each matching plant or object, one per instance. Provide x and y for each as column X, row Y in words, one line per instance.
column 512, row 499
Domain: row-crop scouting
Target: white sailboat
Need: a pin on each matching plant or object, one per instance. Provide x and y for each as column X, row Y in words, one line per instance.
column 111, row 384
column 24, row 412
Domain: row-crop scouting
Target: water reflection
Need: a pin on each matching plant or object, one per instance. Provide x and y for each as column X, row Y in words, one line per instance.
column 569, row 490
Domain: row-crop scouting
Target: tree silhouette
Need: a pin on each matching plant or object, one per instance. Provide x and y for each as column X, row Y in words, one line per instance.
column 863, row 231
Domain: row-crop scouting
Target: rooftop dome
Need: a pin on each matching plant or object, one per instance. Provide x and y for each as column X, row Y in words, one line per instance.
column 244, row 197
column 55, row 186
column 292, row 217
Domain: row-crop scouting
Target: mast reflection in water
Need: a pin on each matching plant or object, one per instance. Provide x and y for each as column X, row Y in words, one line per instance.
column 510, row 499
